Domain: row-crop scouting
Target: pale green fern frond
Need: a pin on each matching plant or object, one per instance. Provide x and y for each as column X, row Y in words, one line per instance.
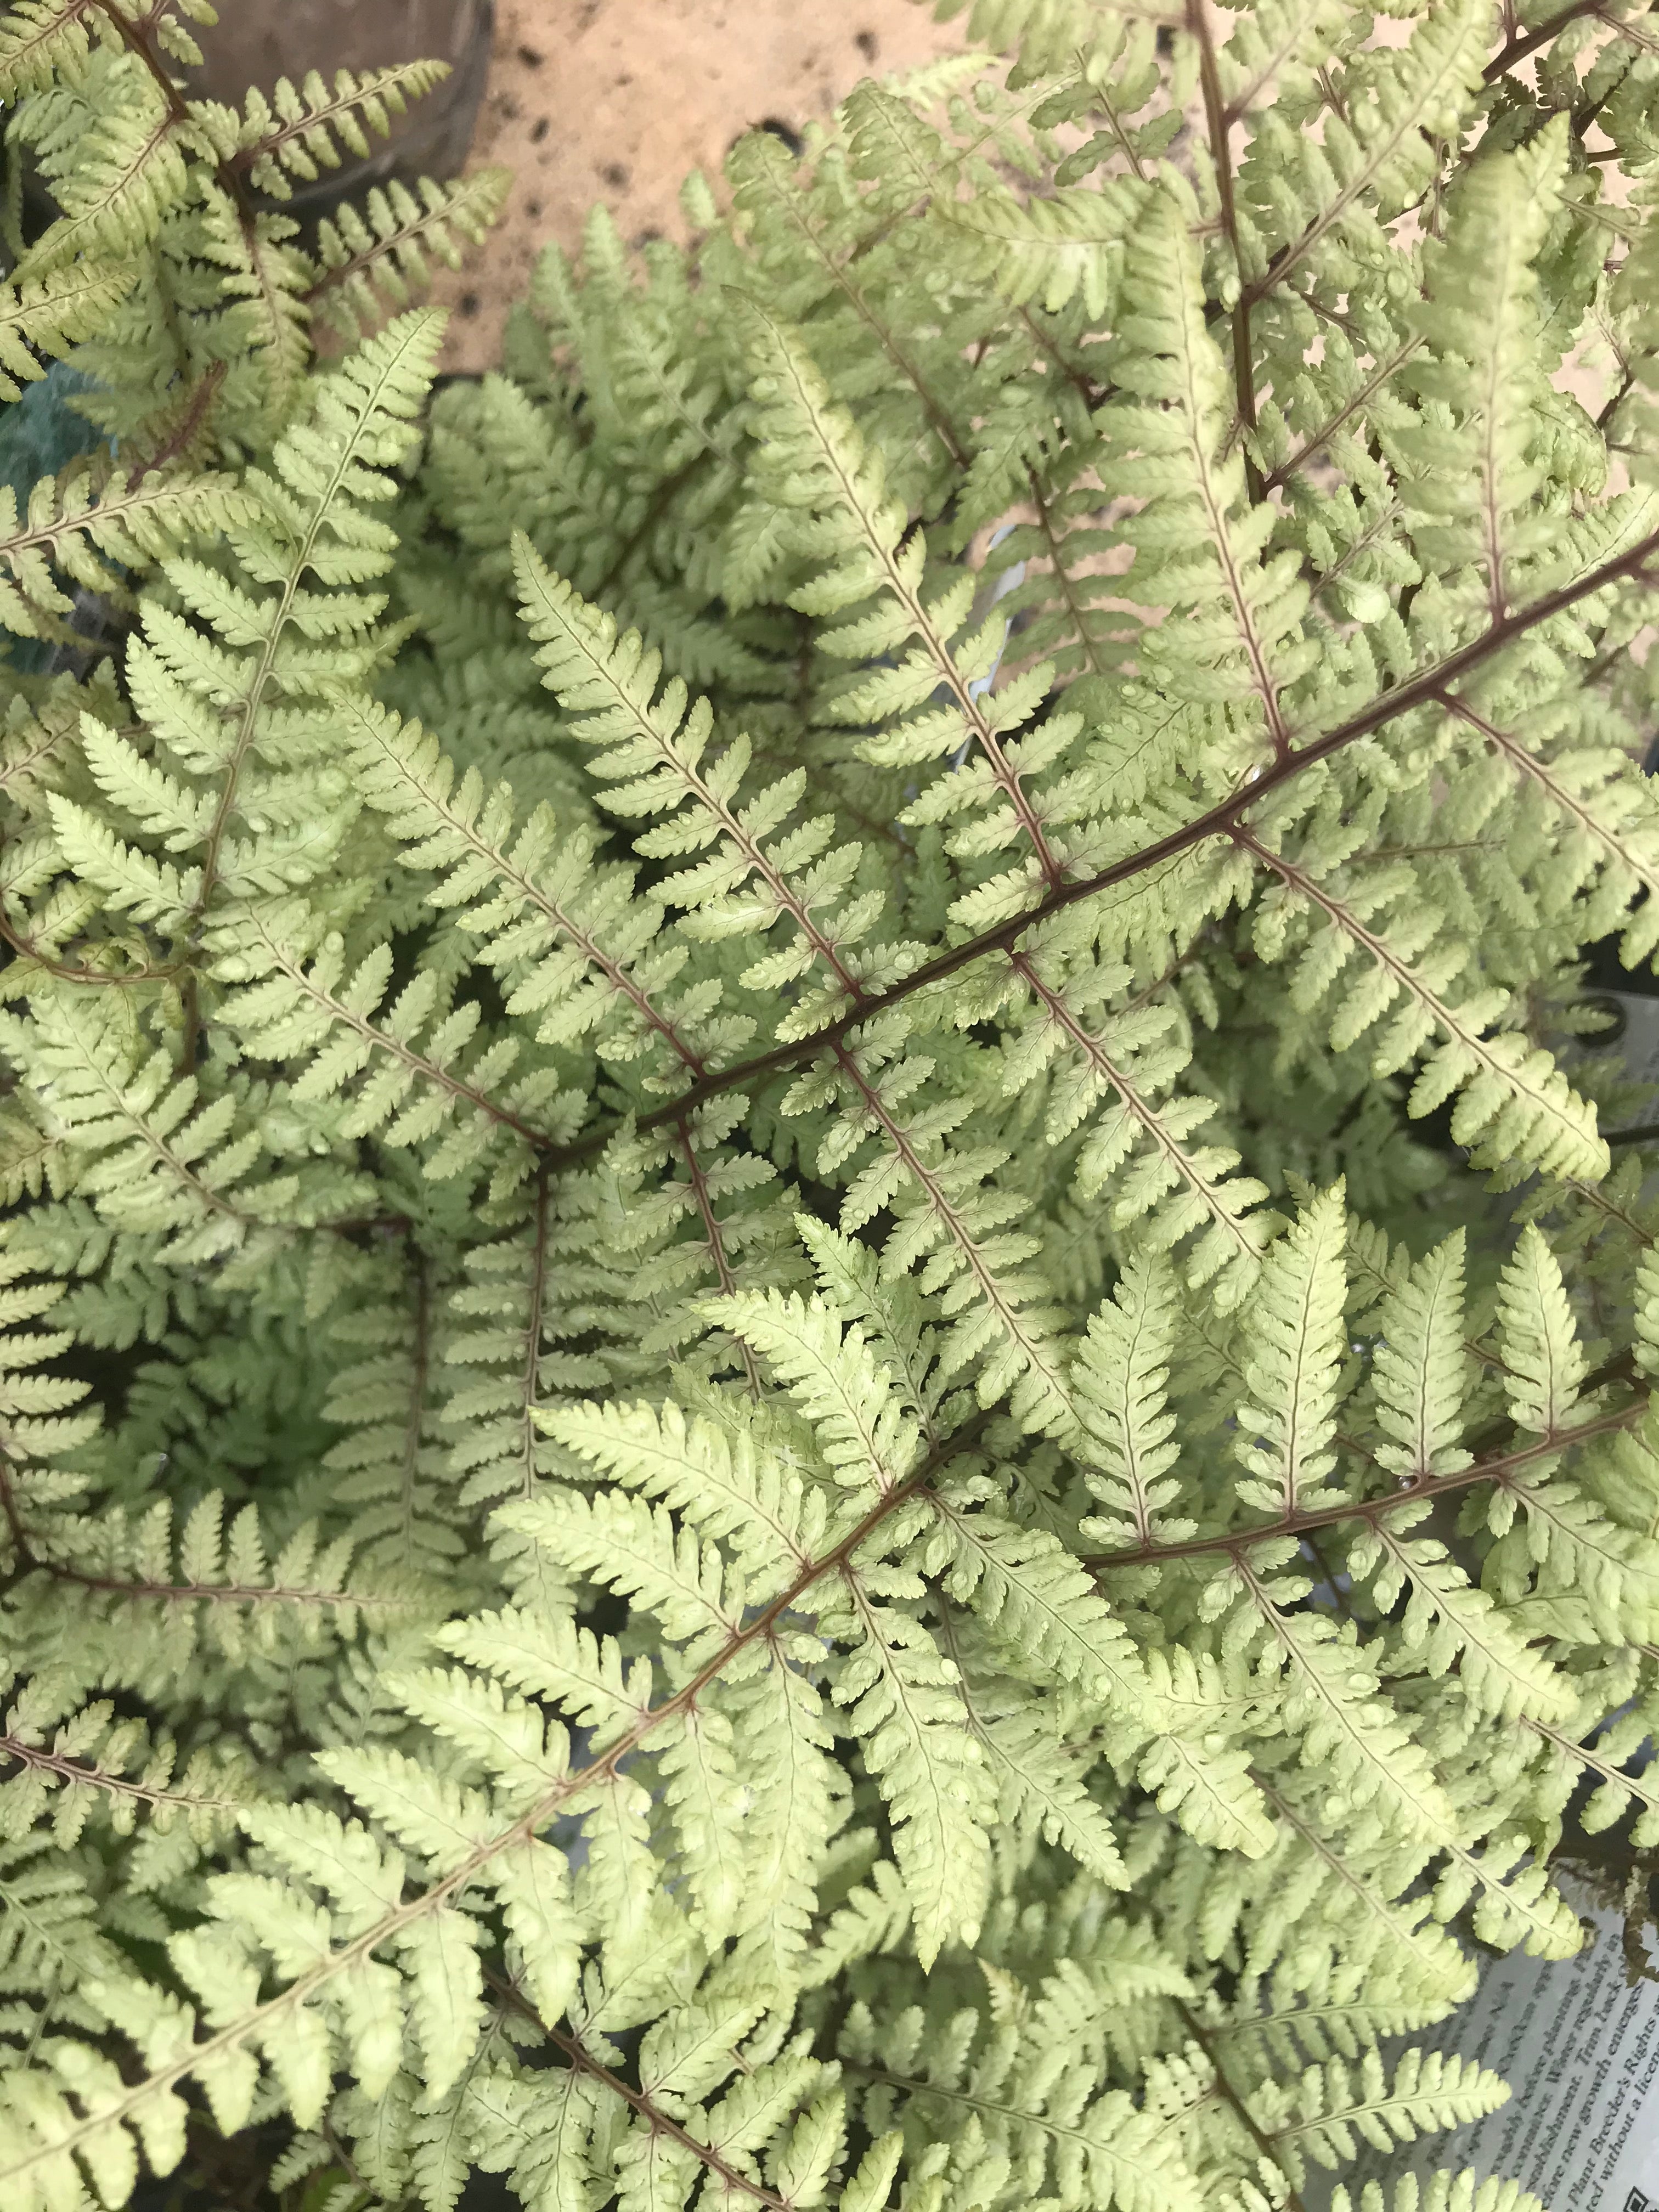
column 1468, row 473
column 1420, row 1367
column 1513, row 1094
column 73, row 1764
column 1441, row 2192
column 903, row 1700
column 129, row 172
column 1293, row 1348
column 846, row 524
column 425, row 1079
column 1041, row 1781
column 1030, row 1594
column 864, row 1434
column 1197, row 548
column 37, row 1422
column 150, row 1150
column 1343, row 1727
column 204, row 1590
column 389, row 1468
column 754, row 876
column 1446, row 1619
column 947, row 1220
column 759, row 1438
column 1121, row 1381
column 1314, row 206
column 300, row 130
column 1052, row 250
column 371, row 262
column 1035, row 2109
column 563, row 931
column 91, row 525
column 1165, row 1188
column 41, row 38
column 1539, row 1338
column 1330, row 2111
column 51, row 313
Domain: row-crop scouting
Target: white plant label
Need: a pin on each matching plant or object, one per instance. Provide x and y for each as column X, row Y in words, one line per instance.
column 1580, row 2051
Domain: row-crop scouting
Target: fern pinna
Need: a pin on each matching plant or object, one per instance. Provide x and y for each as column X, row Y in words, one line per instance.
column 830, row 1326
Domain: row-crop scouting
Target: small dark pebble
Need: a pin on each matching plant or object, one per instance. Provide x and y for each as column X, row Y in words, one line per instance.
column 469, row 303
column 538, row 132
column 865, row 43
column 530, row 57
column 615, row 174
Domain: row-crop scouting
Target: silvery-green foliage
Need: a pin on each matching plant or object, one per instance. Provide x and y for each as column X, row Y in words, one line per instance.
column 824, row 1383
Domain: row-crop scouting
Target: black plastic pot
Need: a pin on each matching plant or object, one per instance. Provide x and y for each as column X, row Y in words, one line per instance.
column 256, row 43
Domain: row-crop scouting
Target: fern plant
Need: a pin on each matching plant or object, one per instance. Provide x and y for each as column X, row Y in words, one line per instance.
column 829, row 1327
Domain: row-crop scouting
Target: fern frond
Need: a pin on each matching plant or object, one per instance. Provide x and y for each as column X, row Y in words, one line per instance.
column 1332, row 2111
column 1315, row 207
column 1513, row 1095
column 300, row 131
column 51, row 313
column 1294, row 1347
column 867, row 1437
column 1051, row 250
column 1471, row 486
column 1568, row 1557
column 131, row 172
column 40, row 38
column 1027, row 2099
column 35, row 1410
column 131, row 520
column 75, row 1765
column 722, row 1478
column 1040, row 1787
column 1369, row 1883
column 1333, row 1707
column 1032, row 1595
column 1449, row 1620
column 1120, row 1377
column 389, row 1467
column 1419, row 1370
column 1599, row 810
column 1197, row 1768
column 948, row 1220
column 427, row 1081
column 1539, row 1338
column 1441, row 2192
column 180, row 1594
column 370, row 263
column 562, row 929
column 845, row 523
column 1166, row 1188
column 654, row 1011
column 1196, row 548
column 749, row 881
column 150, row 1152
